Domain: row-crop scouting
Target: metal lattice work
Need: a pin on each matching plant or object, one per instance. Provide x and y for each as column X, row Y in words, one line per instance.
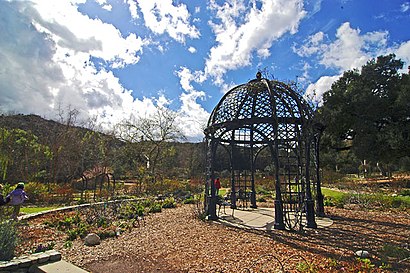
column 258, row 116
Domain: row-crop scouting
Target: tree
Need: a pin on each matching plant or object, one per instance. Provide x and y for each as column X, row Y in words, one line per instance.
column 368, row 112
column 155, row 135
column 23, row 157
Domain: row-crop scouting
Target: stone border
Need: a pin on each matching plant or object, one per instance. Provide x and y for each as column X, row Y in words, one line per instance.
column 24, row 263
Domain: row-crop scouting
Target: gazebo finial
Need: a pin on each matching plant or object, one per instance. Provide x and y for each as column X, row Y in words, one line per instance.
column 258, row 75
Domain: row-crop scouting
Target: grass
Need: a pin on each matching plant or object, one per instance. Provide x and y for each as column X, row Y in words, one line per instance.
column 332, row 193
column 222, row 192
column 29, row 210
column 339, row 199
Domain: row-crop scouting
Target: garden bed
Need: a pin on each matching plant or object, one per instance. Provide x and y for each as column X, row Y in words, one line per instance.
column 175, row 240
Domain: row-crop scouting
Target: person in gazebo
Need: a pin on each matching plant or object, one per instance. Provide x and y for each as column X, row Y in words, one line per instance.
column 217, row 185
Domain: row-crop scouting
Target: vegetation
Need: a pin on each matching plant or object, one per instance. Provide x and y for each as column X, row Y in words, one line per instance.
column 29, row 210
column 8, row 239
column 106, row 220
column 366, row 114
column 61, row 162
column 365, row 200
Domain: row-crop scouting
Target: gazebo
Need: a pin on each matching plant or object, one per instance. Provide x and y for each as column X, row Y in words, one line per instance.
column 269, row 120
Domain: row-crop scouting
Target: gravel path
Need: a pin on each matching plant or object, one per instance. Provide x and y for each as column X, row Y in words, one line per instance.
column 176, row 241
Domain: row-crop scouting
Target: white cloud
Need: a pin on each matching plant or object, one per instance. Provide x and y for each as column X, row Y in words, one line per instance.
column 403, row 52
column 186, row 77
column 192, row 115
column 161, row 16
column 72, row 30
column 132, row 7
column 312, row 45
column 315, row 90
column 192, row 49
column 350, row 50
column 405, row 7
column 241, row 31
column 45, row 52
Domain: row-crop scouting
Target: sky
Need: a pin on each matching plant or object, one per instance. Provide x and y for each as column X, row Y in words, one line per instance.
column 112, row 60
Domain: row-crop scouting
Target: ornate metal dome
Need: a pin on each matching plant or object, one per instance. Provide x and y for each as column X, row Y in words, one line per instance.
column 266, row 106
column 265, row 115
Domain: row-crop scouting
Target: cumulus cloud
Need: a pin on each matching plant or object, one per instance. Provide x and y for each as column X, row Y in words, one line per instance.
column 186, row 77
column 402, row 51
column 132, row 7
column 312, row 45
column 192, row 114
column 242, row 31
column 161, row 16
column 46, row 50
column 351, row 49
column 315, row 90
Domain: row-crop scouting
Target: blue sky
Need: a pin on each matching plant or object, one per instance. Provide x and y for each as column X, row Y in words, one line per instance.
column 114, row 59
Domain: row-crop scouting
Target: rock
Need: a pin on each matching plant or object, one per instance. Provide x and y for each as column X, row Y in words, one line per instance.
column 362, row 254
column 92, row 239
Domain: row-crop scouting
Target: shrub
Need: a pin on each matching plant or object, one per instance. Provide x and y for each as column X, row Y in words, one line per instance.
column 106, row 233
column 190, row 200
column 394, row 251
column 169, row 203
column 155, row 207
column 37, row 192
column 8, row 240
column 64, row 193
column 131, row 210
column 43, row 248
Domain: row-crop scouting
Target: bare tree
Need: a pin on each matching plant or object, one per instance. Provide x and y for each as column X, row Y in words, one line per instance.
column 155, row 134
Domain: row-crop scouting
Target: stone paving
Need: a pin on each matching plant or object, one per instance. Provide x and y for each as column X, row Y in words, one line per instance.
column 260, row 218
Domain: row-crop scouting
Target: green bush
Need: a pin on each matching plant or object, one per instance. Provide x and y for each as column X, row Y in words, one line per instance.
column 169, row 203
column 155, row 207
column 132, row 210
column 37, row 192
column 405, row 192
column 190, row 200
column 8, row 240
column 106, row 233
column 393, row 251
column 338, row 201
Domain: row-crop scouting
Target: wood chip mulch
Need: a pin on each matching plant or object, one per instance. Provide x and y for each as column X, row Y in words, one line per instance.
column 175, row 240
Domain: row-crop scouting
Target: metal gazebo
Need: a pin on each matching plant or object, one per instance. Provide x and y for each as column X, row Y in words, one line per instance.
column 266, row 117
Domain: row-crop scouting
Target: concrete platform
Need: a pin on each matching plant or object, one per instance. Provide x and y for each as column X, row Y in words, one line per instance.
column 57, row 267
column 260, row 218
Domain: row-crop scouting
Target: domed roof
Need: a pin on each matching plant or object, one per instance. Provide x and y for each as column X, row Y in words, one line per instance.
column 265, row 107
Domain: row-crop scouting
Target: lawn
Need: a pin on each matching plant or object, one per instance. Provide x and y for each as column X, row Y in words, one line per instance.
column 30, row 210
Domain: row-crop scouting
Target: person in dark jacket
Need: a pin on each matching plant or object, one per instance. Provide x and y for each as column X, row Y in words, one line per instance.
column 17, row 198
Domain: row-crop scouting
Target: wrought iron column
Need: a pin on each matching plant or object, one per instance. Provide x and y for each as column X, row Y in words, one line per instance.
column 279, row 224
column 233, row 189
column 310, row 204
column 211, row 196
column 320, row 208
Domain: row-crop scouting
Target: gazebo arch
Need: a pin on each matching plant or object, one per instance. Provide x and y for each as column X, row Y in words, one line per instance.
column 266, row 114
